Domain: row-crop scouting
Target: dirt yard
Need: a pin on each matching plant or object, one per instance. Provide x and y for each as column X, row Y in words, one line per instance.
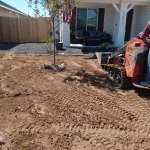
column 78, row 109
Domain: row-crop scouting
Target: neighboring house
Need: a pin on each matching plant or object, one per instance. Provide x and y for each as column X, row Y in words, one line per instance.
column 123, row 19
column 9, row 11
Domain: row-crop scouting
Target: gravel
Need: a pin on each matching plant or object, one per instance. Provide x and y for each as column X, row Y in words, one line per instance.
column 39, row 48
column 35, row 48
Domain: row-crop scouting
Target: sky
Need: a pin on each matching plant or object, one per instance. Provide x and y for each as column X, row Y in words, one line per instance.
column 21, row 5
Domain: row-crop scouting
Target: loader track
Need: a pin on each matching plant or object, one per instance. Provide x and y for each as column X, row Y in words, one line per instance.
column 118, row 75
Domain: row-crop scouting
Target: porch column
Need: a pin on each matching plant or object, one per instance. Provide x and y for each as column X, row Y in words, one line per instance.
column 65, row 34
column 120, row 35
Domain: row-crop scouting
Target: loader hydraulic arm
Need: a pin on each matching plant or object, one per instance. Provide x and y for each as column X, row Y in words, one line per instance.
column 118, row 52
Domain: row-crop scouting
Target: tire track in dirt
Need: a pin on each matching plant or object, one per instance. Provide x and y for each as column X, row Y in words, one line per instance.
column 114, row 104
column 127, row 119
column 67, row 99
column 106, row 137
column 103, row 120
column 131, row 114
column 143, row 111
column 141, row 115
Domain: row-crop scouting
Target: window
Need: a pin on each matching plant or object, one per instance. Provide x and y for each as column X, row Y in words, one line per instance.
column 10, row 14
column 17, row 15
column 87, row 19
column 81, row 18
column 92, row 17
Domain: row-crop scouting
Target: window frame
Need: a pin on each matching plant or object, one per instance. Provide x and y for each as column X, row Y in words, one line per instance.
column 97, row 18
column 17, row 16
column 11, row 14
column 86, row 16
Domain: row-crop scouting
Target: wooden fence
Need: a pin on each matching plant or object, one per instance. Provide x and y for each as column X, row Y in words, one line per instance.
column 24, row 30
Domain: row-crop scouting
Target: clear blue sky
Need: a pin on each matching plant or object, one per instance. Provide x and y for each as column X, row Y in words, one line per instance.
column 21, row 5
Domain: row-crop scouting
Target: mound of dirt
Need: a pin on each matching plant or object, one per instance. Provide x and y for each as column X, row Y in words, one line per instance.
column 76, row 109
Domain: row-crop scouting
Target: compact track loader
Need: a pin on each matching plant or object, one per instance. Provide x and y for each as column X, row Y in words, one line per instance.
column 128, row 64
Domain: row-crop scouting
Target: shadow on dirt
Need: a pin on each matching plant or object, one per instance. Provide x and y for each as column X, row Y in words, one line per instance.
column 7, row 46
column 144, row 93
column 102, row 81
column 92, row 57
column 97, row 80
column 94, row 49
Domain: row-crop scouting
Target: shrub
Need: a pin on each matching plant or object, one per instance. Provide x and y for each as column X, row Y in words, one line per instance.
column 1, row 55
column 47, row 44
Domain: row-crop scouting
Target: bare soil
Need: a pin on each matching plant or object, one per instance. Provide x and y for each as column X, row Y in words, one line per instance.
column 77, row 109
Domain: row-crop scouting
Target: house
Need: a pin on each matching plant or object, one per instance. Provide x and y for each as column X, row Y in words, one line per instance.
column 9, row 11
column 122, row 19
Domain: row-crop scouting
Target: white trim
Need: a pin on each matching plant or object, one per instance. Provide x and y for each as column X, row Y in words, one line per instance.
column 13, row 10
column 116, row 7
column 66, row 34
column 136, row 2
column 130, row 7
column 119, row 41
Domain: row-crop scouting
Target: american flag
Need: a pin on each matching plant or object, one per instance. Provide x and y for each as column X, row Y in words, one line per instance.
column 67, row 12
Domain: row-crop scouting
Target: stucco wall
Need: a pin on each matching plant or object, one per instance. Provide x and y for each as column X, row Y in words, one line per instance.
column 109, row 14
column 115, row 24
column 109, row 18
column 141, row 18
column 4, row 12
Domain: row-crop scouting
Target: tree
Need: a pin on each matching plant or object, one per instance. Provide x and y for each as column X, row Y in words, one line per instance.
column 55, row 10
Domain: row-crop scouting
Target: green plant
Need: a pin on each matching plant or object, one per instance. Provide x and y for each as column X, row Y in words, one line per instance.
column 105, row 45
column 47, row 44
column 1, row 54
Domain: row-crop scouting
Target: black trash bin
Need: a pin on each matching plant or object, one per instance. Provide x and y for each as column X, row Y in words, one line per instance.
column 59, row 45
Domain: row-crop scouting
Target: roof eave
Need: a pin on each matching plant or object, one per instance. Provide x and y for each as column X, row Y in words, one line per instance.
column 13, row 10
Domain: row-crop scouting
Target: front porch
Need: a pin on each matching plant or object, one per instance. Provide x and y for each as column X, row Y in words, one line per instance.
column 115, row 18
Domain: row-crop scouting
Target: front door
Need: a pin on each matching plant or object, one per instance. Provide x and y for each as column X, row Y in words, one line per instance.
column 128, row 25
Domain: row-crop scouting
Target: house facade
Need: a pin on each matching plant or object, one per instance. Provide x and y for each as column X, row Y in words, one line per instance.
column 122, row 19
column 9, row 11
